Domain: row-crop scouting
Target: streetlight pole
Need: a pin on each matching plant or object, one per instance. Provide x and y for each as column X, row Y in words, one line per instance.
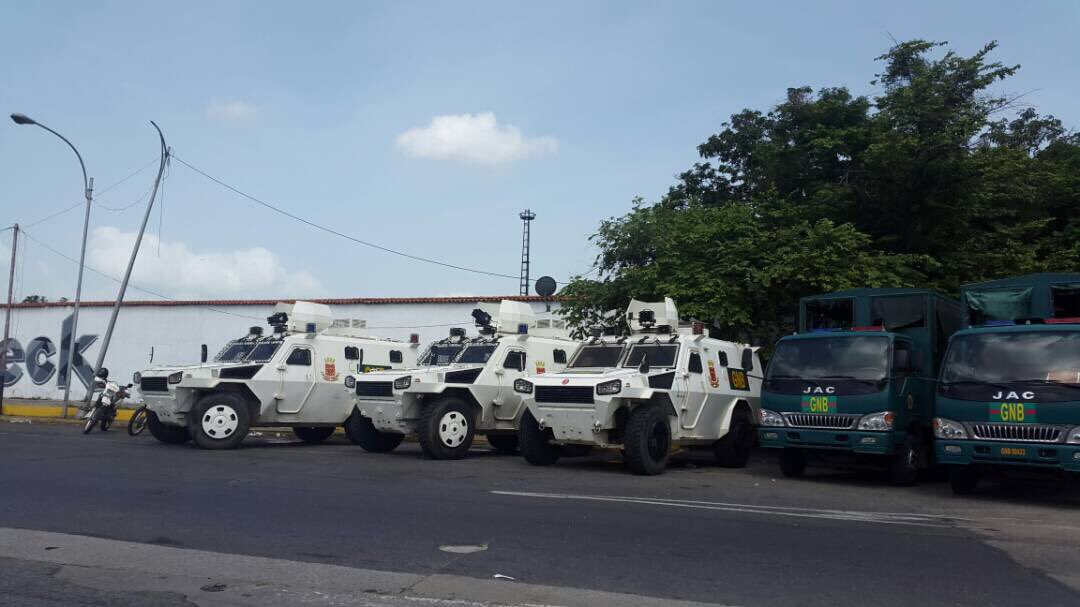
column 7, row 316
column 88, row 189
column 131, row 261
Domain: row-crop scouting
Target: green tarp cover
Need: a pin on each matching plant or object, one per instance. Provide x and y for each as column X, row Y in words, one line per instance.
column 1001, row 304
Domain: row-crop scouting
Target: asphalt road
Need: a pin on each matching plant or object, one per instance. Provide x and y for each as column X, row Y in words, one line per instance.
column 698, row 533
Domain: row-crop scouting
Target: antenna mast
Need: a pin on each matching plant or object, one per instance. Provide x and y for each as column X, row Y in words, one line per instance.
column 526, row 216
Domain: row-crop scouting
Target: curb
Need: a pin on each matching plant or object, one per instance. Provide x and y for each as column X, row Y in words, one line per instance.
column 54, row 412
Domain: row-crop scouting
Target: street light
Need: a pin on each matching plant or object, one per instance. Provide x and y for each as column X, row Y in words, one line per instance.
column 88, row 189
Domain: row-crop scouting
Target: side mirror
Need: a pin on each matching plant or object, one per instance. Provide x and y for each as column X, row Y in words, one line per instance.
column 902, row 361
column 723, row 359
column 748, row 359
column 644, row 366
column 204, row 353
column 521, row 363
column 130, row 385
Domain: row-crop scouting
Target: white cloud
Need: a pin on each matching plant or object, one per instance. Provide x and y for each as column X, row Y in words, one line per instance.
column 181, row 273
column 231, row 110
column 476, row 138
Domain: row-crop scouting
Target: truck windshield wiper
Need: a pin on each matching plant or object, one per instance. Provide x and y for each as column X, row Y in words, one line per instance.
column 853, row 378
column 1045, row 382
column 975, row 382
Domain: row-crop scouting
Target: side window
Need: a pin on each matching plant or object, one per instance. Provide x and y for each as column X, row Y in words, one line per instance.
column 904, row 361
column 515, row 359
column 352, row 353
column 694, row 364
column 559, row 356
column 300, row 357
column 395, row 356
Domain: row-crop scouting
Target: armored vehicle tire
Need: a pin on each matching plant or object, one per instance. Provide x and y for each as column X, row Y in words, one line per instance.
column 219, row 420
column 963, row 479
column 313, row 435
column 171, row 435
column 447, row 427
column 503, row 443
column 792, row 463
column 647, row 444
column 362, row 432
column 904, row 465
column 535, row 444
column 733, row 449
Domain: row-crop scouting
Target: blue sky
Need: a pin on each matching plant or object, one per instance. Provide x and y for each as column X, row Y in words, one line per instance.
column 424, row 127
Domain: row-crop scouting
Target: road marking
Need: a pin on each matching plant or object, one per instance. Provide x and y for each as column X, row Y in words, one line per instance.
column 463, row 548
column 882, row 518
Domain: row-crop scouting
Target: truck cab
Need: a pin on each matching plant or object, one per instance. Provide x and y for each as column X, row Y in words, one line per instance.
column 1009, row 397
column 662, row 386
column 465, row 387
column 291, row 377
column 856, row 384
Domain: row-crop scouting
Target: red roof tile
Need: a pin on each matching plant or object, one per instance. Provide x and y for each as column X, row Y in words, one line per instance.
column 270, row 302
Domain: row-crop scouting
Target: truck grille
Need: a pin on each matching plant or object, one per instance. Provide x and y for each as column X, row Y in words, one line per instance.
column 384, row 389
column 1027, row 433
column 154, row 384
column 820, row 420
column 564, row 394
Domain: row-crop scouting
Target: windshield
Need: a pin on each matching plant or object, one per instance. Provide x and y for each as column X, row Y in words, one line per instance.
column 597, row 356
column 234, row 351
column 861, row 358
column 440, row 354
column 476, row 354
column 264, row 351
column 660, row 355
column 1038, row 357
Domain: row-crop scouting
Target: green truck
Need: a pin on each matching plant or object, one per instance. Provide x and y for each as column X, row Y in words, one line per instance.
column 855, row 384
column 1009, row 397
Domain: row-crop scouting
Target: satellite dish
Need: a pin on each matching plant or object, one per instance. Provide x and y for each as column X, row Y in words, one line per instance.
column 545, row 286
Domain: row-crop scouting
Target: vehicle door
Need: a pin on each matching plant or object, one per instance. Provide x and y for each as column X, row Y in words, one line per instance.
column 512, row 368
column 913, row 393
column 696, row 395
column 297, row 379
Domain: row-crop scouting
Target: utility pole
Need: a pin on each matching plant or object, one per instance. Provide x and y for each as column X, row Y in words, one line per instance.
column 131, row 263
column 526, row 216
column 7, row 315
column 88, row 189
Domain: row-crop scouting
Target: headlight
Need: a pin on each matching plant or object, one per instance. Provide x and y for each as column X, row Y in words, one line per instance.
column 137, row 378
column 948, row 429
column 403, row 383
column 523, row 385
column 176, row 377
column 609, row 387
column 350, row 382
column 1074, row 436
column 877, row 422
column 771, row 418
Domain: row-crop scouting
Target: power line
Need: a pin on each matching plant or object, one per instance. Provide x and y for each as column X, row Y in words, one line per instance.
column 117, row 280
column 99, row 193
column 337, row 233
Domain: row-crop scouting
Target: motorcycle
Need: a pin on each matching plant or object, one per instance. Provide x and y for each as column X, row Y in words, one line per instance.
column 103, row 411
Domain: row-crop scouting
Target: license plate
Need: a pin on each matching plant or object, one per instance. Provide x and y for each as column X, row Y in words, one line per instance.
column 1013, row 452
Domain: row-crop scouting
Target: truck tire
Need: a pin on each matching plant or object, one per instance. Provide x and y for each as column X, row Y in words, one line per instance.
column 792, row 463
column 535, row 444
column 313, row 435
column 733, row 449
column 447, row 428
column 170, row 435
column 963, row 479
column 219, row 420
column 647, row 445
column 503, row 443
column 904, row 464
column 361, row 431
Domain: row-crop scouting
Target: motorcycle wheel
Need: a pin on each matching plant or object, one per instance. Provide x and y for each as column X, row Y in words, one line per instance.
column 91, row 420
column 137, row 423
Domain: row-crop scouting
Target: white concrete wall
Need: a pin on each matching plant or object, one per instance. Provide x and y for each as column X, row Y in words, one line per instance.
column 175, row 334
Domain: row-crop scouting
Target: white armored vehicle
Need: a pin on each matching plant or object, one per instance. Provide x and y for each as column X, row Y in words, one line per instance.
column 661, row 386
column 292, row 377
column 467, row 388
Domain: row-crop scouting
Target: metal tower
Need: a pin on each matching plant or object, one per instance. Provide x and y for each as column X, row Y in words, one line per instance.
column 526, row 216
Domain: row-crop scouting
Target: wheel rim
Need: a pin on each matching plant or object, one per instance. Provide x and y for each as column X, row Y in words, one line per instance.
column 659, row 442
column 139, row 422
column 453, row 428
column 220, row 422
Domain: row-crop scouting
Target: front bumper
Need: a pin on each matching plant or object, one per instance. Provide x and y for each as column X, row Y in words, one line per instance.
column 873, row 443
column 167, row 409
column 1057, row 456
column 386, row 414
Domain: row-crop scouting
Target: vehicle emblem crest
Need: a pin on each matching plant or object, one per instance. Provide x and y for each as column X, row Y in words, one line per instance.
column 565, row 381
